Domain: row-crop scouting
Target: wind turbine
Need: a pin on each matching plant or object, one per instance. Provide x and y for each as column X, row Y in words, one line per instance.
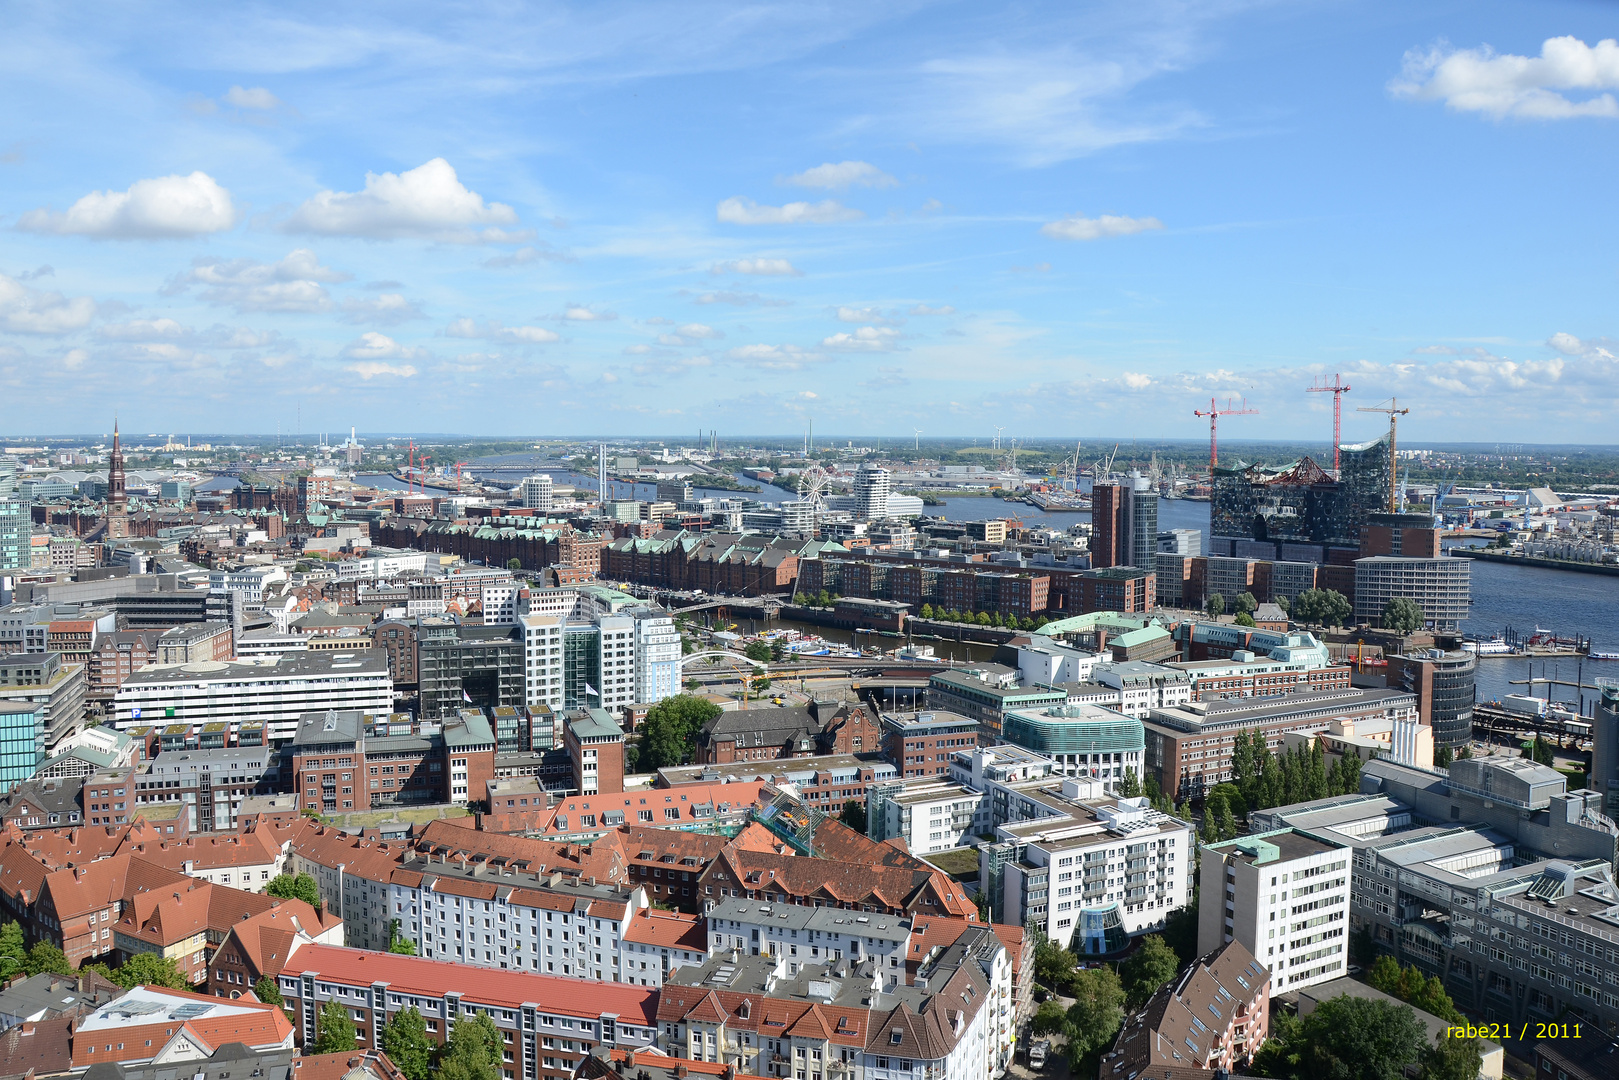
column 998, row 437
column 918, row 437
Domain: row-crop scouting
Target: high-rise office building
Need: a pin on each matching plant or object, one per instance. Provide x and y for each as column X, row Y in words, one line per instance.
column 1443, row 684
column 1605, row 740
column 536, row 492
column 871, row 493
column 1107, row 510
column 15, row 527
column 1124, row 524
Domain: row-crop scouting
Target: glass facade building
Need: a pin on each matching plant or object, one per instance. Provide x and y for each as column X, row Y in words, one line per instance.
column 22, row 740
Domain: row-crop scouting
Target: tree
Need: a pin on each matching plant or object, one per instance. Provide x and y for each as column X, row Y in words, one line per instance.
column 926, row 612
column 757, row 650
column 983, row 618
column 1542, row 751
column 1315, row 784
column 1284, row 603
column 854, row 815
column 1214, row 605
column 1049, row 1019
column 1463, row 752
column 1442, row 757
column 399, row 943
column 514, row 564
column 1053, row 964
column 761, row 684
column 1324, row 607
column 13, row 952
column 46, row 958
column 1350, row 1038
column 1147, row 969
column 1180, row 930
column 1233, row 797
column 1244, row 619
column 267, row 991
column 778, row 651
column 1130, row 786
column 295, row 887
column 1403, row 616
column 334, row 1031
column 1453, row 1059
column 149, row 969
column 1096, row 1014
column 670, row 733
column 1245, row 603
column 981, row 902
column 473, row 1051
column 1225, row 820
column 405, row 1041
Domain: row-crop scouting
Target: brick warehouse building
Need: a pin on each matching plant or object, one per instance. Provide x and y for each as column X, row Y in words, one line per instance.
column 495, row 541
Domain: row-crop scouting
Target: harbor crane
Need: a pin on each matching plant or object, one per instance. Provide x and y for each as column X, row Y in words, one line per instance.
column 1214, row 413
column 1337, row 388
column 1394, row 412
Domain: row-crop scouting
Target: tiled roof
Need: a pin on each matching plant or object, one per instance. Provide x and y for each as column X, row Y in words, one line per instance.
column 668, row 930
column 355, row 1065
column 109, row 1035
column 265, row 940
column 43, row 1048
column 255, row 848
column 434, row 978
column 860, row 884
column 1185, row 1021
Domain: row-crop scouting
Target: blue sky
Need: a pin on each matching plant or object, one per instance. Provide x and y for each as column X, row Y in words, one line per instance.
column 1067, row 220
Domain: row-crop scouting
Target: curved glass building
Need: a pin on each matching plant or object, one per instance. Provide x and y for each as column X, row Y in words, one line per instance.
column 1084, row 740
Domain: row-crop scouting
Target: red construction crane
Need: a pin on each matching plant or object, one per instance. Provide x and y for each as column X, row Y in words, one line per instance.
column 1337, row 388
column 1214, row 413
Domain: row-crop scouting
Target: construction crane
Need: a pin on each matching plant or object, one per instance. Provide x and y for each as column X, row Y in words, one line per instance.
column 458, row 465
column 1214, row 413
column 1394, row 413
column 1337, row 388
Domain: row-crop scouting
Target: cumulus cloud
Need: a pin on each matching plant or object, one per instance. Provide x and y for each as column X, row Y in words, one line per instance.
column 1569, row 345
column 374, row 346
column 942, row 309
column 1080, row 227
column 866, row 315
column 388, row 309
column 865, row 339
column 494, row 331
column 580, row 313
column 251, row 97
column 773, row 357
column 740, row 211
column 523, row 256
column 372, row 369
column 740, row 299
column 160, row 329
column 757, row 267
column 1523, row 87
column 690, row 334
column 295, row 283
column 1135, row 380
column 841, row 176
column 159, row 208
column 25, row 310
column 427, row 202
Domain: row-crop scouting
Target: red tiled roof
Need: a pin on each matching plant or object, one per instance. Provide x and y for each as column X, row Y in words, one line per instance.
column 668, row 930
column 485, row 986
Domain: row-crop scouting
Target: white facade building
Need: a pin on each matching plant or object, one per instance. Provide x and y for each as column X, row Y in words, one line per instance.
column 657, row 655
column 542, row 661
column 1050, row 663
column 250, row 581
column 1143, row 687
column 536, row 492
column 276, row 690
column 500, row 603
column 1285, row 896
column 871, row 493
column 931, row 814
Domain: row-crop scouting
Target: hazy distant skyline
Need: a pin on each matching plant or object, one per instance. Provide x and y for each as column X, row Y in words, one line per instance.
column 659, row 218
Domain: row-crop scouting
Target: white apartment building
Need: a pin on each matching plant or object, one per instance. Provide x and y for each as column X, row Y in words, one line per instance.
column 275, row 690
column 930, row 813
column 615, row 644
column 656, row 944
column 1107, row 870
column 500, row 603
column 542, row 661
column 1049, row 663
column 805, row 936
column 375, row 567
column 250, row 581
column 1143, row 687
column 657, row 655
column 536, row 492
column 1285, row 896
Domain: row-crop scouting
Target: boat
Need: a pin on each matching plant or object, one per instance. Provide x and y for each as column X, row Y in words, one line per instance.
column 1602, row 654
column 1492, row 647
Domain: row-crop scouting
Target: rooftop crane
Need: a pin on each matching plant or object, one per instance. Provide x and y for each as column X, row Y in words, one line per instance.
column 1394, row 413
column 1214, row 413
column 1337, row 388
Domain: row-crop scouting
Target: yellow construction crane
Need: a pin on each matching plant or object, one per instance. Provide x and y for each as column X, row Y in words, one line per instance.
column 1394, row 413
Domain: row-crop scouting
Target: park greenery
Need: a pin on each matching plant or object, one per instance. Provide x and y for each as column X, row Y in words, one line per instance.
column 295, row 887
column 1402, row 615
column 1350, row 1038
column 669, row 735
column 1320, row 607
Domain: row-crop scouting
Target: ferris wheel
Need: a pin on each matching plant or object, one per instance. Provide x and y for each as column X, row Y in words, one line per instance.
column 812, row 488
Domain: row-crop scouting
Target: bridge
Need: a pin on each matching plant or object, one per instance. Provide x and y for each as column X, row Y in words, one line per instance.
column 723, row 654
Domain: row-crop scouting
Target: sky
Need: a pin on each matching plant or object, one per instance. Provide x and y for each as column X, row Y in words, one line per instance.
column 1064, row 220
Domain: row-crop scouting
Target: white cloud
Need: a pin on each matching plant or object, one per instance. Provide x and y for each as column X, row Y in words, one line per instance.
column 387, row 309
column 637, row 350
column 773, row 357
column 251, row 97
column 866, row 315
column 374, row 346
column 1080, row 227
column 294, row 284
column 494, row 331
column 161, row 329
column 523, row 256
column 757, row 267
column 840, row 176
column 865, row 339
column 740, row 211
column 24, row 310
column 428, row 201
column 1523, row 87
column 371, row 369
column 580, row 313
column 163, row 207
column 1135, row 380
column 737, row 299
column 943, row 309
column 1569, row 345
column 690, row 334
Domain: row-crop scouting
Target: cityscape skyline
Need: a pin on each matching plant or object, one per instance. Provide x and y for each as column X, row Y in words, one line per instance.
column 888, row 219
